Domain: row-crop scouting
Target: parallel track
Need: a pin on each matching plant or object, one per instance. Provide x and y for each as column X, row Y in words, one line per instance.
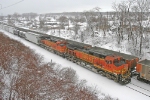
column 138, row 91
column 139, row 88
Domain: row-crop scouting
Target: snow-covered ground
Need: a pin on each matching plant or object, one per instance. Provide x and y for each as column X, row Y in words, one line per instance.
column 102, row 84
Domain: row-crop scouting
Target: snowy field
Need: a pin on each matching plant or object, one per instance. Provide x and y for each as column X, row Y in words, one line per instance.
column 102, row 84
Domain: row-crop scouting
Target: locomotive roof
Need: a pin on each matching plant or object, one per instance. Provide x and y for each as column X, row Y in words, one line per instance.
column 125, row 56
column 54, row 38
column 44, row 36
column 75, row 43
column 22, row 29
column 70, row 46
column 34, row 33
column 106, row 52
column 78, row 46
column 50, row 37
column 145, row 62
column 57, row 37
column 100, row 51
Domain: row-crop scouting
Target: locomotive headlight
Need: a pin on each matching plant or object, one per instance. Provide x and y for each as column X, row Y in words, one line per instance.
column 125, row 69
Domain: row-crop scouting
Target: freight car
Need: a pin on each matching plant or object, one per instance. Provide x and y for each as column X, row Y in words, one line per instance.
column 16, row 32
column 20, row 32
column 143, row 70
column 8, row 28
column 11, row 29
column 32, row 37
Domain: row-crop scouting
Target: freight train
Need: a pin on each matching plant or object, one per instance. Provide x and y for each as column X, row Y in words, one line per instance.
column 114, row 65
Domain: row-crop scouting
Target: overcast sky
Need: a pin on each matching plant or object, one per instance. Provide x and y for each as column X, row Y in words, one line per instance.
column 52, row 6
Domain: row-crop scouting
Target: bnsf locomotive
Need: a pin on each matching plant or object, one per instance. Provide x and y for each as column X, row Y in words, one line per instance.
column 112, row 64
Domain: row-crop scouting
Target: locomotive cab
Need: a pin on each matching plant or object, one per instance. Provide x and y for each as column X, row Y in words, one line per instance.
column 61, row 46
column 118, row 66
column 115, row 60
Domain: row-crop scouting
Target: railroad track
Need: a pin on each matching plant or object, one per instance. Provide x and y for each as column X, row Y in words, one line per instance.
column 146, row 94
column 140, row 87
column 136, row 87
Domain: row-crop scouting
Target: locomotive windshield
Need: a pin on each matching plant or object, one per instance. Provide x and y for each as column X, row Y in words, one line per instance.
column 62, row 44
column 118, row 62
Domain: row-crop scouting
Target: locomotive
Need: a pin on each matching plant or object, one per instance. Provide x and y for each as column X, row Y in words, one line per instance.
column 114, row 65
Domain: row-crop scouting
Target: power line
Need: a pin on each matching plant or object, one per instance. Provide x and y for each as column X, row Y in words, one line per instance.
column 11, row 5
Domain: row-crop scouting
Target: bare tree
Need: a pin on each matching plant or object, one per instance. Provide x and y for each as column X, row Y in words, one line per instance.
column 76, row 27
column 63, row 20
column 102, row 21
column 10, row 22
column 120, row 22
column 141, row 10
column 16, row 16
column 91, row 21
column 130, row 18
column 42, row 21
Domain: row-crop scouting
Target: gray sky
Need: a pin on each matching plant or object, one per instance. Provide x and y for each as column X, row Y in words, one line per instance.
column 52, row 6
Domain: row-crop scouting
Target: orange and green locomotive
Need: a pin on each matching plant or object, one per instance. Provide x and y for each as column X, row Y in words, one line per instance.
column 97, row 60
